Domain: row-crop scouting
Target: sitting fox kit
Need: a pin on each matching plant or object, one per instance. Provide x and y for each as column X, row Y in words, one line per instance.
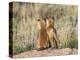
column 47, row 33
column 51, row 31
column 42, row 35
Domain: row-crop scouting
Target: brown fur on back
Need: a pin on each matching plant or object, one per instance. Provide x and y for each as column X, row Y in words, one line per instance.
column 42, row 35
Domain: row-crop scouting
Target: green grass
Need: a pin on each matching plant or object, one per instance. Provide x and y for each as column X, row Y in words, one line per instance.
column 71, row 42
column 20, row 49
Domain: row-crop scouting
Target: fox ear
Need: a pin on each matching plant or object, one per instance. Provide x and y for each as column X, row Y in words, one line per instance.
column 53, row 18
column 44, row 19
column 38, row 19
column 47, row 17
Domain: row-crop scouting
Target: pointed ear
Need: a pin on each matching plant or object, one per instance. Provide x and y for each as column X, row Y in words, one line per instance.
column 53, row 18
column 47, row 17
column 38, row 19
column 44, row 19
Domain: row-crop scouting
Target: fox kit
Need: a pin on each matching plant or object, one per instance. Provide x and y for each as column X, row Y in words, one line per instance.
column 42, row 35
column 51, row 31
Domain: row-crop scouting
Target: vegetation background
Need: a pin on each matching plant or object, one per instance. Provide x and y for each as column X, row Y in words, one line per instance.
column 23, row 25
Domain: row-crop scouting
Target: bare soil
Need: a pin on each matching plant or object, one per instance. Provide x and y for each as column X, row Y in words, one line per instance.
column 47, row 52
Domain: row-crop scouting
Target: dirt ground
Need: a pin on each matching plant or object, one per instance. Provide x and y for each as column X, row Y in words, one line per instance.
column 47, row 52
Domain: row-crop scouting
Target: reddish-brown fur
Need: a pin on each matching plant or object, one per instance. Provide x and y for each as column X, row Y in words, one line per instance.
column 42, row 34
column 51, row 31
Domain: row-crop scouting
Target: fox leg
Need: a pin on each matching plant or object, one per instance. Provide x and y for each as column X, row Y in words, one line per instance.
column 56, row 40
